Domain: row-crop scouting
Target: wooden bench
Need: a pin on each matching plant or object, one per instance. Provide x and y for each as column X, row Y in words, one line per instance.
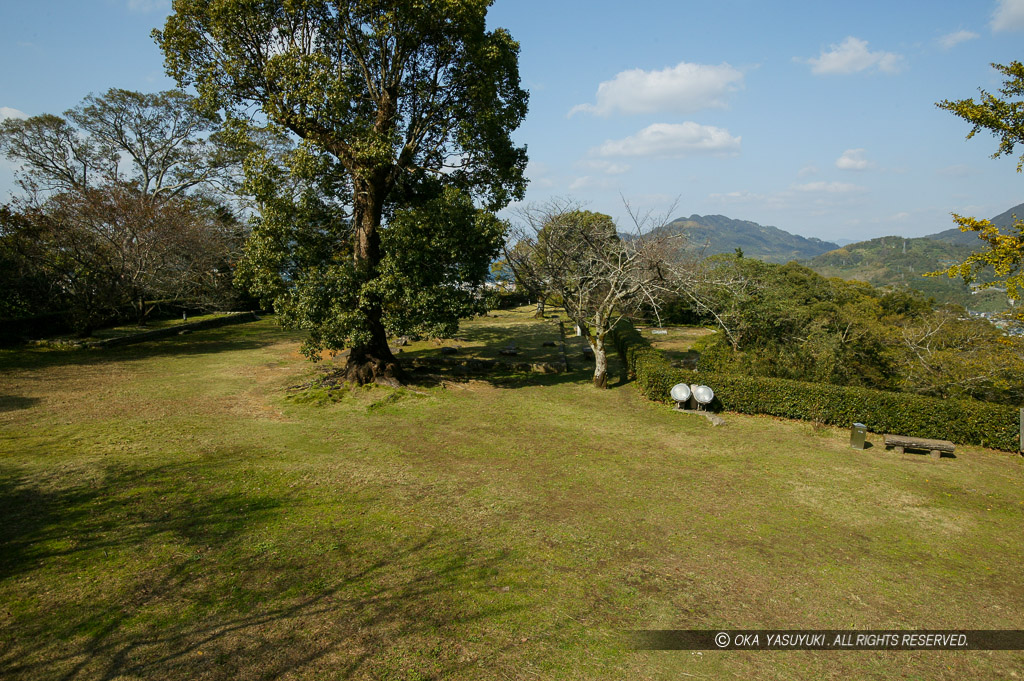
column 902, row 442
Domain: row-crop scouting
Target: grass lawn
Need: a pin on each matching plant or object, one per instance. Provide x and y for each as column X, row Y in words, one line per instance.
column 171, row 510
column 676, row 342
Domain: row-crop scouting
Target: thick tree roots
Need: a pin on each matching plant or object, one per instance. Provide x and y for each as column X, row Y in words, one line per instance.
column 368, row 366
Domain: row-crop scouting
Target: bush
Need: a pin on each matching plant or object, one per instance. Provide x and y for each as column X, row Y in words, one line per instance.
column 960, row 421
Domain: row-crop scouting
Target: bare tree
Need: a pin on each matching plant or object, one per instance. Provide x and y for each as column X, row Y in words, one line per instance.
column 523, row 259
column 110, row 249
column 600, row 275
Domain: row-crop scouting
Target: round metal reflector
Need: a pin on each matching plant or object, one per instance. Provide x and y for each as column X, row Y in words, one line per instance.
column 680, row 392
column 703, row 394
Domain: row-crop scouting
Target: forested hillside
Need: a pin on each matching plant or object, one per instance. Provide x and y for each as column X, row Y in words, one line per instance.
column 714, row 234
column 902, row 263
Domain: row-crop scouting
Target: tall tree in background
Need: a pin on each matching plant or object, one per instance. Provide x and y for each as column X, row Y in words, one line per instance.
column 1003, row 117
column 158, row 142
column 412, row 100
column 121, row 206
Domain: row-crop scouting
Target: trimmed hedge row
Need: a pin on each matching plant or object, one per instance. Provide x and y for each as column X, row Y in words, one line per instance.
column 960, row 421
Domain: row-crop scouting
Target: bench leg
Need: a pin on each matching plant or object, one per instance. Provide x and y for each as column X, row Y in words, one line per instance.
column 936, row 454
column 899, row 450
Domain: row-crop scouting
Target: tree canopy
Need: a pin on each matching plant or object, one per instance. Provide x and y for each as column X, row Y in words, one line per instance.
column 159, row 142
column 786, row 321
column 120, row 207
column 410, row 99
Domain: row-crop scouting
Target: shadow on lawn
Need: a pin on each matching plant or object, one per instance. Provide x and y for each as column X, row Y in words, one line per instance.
column 14, row 402
column 219, row 605
column 228, row 338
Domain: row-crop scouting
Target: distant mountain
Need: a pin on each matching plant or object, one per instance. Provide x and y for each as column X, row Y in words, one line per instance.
column 955, row 236
column 719, row 234
column 901, row 263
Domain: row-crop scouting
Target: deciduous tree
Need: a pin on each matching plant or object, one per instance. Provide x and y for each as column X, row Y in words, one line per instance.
column 119, row 207
column 159, row 142
column 600, row 277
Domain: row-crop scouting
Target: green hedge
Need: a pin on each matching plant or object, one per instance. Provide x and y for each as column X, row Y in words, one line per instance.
column 960, row 421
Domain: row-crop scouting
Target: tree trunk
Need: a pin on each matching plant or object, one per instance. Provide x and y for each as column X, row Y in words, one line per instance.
column 372, row 361
column 600, row 361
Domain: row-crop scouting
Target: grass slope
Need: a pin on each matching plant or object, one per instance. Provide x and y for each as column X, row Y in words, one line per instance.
column 169, row 512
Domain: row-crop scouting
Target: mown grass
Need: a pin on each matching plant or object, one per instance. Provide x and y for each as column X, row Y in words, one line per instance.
column 172, row 510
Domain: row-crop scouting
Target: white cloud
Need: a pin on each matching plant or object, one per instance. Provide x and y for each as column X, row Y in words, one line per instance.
column 144, row 6
column 7, row 112
column 1009, row 16
column 683, row 88
column 953, row 39
column 673, row 140
column 829, row 188
column 607, row 167
column 853, row 56
column 853, row 159
column 808, row 170
column 589, row 182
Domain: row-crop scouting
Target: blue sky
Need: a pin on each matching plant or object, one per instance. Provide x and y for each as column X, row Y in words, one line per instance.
column 818, row 118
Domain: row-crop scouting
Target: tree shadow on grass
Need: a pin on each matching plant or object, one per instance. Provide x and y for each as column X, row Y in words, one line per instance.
column 218, row 604
column 223, row 339
column 15, row 402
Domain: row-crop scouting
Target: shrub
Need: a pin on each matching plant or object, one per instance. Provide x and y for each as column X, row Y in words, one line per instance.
column 961, row 421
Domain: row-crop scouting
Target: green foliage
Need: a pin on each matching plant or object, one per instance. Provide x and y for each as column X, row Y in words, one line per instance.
column 904, row 264
column 1003, row 117
column 717, row 234
column 788, row 322
column 960, row 421
column 1004, row 254
column 407, row 109
column 436, row 256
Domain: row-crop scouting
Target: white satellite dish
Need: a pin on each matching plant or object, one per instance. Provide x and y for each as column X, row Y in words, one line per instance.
column 680, row 392
column 703, row 394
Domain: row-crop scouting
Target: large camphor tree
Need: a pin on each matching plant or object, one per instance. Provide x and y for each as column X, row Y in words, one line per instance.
column 413, row 102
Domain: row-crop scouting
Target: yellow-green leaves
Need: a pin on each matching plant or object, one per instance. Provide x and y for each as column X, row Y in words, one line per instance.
column 1005, row 254
column 1002, row 117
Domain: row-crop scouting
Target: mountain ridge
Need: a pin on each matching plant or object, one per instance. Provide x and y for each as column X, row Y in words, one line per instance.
column 954, row 236
column 721, row 234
